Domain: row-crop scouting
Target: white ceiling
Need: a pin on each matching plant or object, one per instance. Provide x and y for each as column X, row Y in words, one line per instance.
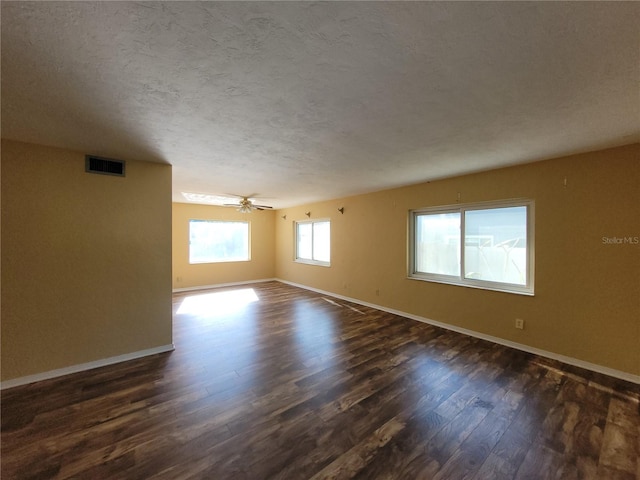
column 300, row 101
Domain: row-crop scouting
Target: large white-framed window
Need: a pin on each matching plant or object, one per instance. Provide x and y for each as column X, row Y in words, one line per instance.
column 212, row 241
column 313, row 242
column 484, row 245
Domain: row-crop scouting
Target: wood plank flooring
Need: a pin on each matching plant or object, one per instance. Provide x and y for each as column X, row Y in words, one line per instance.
column 269, row 381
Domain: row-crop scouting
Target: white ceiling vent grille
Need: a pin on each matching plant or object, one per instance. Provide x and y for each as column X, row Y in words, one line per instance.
column 103, row 166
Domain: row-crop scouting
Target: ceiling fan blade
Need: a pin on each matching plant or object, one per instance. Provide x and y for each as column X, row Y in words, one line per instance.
column 231, row 205
column 262, row 207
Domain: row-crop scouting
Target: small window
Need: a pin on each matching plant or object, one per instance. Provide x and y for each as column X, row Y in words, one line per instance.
column 313, row 242
column 213, row 241
column 484, row 245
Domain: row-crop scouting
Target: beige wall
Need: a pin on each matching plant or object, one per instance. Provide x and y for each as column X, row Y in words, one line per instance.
column 586, row 304
column 262, row 245
column 86, row 260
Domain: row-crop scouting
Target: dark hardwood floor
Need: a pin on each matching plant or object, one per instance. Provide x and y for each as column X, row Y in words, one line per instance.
column 270, row 381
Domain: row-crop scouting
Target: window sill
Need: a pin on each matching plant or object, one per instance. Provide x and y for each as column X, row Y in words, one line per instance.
column 495, row 287
column 312, row 262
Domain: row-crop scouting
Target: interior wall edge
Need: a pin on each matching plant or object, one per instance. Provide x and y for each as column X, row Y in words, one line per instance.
column 621, row 375
column 60, row 372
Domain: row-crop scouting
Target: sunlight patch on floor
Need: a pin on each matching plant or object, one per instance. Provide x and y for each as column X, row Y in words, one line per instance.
column 228, row 301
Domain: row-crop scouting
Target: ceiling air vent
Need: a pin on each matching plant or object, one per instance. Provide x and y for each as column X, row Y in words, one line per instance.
column 103, row 166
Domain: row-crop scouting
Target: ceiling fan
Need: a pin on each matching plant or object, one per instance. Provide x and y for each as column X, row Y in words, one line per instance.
column 246, row 205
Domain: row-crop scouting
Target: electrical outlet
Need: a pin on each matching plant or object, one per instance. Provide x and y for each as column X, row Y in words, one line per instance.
column 520, row 323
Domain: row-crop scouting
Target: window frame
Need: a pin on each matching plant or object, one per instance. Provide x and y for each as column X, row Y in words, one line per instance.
column 233, row 260
column 307, row 261
column 460, row 280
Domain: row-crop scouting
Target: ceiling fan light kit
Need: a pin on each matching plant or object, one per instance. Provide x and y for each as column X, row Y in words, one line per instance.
column 245, row 205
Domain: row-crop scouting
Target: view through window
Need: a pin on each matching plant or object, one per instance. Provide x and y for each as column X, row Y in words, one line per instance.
column 213, row 241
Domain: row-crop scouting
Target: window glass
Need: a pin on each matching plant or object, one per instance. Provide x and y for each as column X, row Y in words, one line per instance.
column 218, row 241
column 305, row 241
column 495, row 245
column 321, row 241
column 438, row 243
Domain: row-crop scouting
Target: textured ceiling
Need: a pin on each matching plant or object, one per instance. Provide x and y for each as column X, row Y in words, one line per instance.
column 304, row 101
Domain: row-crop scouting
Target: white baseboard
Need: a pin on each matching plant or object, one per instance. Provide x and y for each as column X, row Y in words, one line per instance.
column 38, row 377
column 220, row 285
column 629, row 377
